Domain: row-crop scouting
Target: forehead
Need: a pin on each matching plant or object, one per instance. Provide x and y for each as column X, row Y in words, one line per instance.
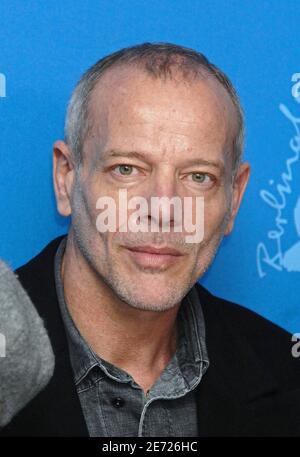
column 128, row 101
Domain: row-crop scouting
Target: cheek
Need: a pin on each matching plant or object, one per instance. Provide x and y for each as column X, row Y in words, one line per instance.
column 84, row 210
column 214, row 214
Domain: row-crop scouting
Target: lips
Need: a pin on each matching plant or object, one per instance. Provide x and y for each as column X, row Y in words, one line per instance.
column 156, row 250
column 154, row 257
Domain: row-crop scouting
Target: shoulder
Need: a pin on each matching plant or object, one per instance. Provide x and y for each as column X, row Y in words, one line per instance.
column 41, row 265
column 268, row 342
column 37, row 275
column 38, row 279
column 236, row 315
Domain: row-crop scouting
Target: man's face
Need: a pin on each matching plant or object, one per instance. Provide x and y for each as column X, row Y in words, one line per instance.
column 171, row 127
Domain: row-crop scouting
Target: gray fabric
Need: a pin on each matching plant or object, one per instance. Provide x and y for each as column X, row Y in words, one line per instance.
column 26, row 356
column 168, row 409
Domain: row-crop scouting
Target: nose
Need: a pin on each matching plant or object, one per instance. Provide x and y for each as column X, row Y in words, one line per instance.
column 163, row 183
column 163, row 200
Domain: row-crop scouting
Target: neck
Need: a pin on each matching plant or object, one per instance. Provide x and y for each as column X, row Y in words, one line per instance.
column 139, row 342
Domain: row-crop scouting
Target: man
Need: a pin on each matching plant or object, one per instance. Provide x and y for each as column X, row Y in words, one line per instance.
column 142, row 349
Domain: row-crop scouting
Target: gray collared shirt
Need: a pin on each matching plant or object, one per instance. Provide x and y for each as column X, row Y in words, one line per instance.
column 114, row 404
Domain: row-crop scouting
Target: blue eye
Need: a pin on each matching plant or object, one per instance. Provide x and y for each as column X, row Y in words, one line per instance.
column 199, row 177
column 125, row 169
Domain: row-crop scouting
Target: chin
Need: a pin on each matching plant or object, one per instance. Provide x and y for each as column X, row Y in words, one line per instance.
column 149, row 305
column 154, row 300
column 153, row 292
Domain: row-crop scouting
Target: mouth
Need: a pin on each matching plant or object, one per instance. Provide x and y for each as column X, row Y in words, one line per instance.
column 154, row 257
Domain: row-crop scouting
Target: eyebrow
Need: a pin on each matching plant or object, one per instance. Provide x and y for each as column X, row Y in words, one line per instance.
column 139, row 155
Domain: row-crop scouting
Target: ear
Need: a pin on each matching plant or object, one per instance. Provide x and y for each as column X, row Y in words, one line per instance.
column 239, row 187
column 63, row 176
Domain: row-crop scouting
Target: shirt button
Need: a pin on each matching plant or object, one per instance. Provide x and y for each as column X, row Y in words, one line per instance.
column 118, row 402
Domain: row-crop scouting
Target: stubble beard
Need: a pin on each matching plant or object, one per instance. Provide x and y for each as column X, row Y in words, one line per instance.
column 108, row 271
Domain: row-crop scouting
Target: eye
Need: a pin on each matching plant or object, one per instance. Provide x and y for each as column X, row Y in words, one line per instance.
column 199, row 178
column 125, row 169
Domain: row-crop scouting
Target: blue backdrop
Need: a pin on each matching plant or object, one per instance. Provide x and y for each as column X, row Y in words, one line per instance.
column 45, row 47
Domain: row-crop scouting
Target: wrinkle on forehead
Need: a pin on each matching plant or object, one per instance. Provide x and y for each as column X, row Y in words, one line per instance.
column 123, row 93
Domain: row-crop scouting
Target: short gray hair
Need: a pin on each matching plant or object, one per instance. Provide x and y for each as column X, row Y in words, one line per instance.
column 158, row 60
